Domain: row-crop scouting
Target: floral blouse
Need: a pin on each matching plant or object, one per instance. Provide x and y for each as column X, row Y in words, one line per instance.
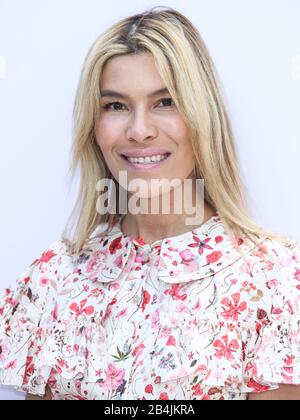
column 185, row 318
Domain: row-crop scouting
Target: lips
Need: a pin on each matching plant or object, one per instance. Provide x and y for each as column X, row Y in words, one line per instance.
column 145, row 166
column 145, row 152
column 166, row 155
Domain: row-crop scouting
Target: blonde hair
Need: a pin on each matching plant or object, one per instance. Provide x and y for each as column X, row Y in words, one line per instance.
column 188, row 71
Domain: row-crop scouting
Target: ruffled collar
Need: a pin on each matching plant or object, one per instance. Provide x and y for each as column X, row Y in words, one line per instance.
column 193, row 255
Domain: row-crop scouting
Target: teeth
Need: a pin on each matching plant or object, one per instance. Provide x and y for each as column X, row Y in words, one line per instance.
column 147, row 159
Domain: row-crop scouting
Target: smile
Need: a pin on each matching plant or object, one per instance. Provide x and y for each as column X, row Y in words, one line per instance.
column 149, row 162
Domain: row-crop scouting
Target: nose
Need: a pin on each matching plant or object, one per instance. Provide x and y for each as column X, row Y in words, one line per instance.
column 141, row 128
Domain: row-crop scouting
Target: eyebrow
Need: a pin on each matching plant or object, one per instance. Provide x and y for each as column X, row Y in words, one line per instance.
column 114, row 94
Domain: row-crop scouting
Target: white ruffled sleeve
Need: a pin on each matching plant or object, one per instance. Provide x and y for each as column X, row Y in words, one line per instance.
column 26, row 310
column 249, row 342
column 277, row 360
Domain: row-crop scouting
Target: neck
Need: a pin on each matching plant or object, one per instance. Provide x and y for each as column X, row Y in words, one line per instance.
column 155, row 226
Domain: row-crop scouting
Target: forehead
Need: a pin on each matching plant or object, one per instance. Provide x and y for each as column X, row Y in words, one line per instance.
column 131, row 72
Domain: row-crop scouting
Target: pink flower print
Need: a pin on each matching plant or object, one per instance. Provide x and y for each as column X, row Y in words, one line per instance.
column 245, row 268
column 138, row 350
column 112, row 286
column 297, row 274
column 288, row 368
column 96, row 293
column 141, row 257
column 201, row 245
column 99, row 373
column 147, row 298
column 171, row 341
column 155, row 319
column 61, row 364
column 115, row 245
column 263, row 248
column 214, row 391
column 214, row 257
column 238, row 240
column 4, row 352
column 76, row 348
column 248, row 287
column 46, row 257
column 165, row 332
column 108, row 311
column 249, row 367
column 226, row 349
column 219, row 239
column 261, row 251
column 197, row 305
column 114, row 377
column 94, row 261
column 119, row 261
column 122, row 313
column 269, row 265
column 232, row 309
column 11, row 365
column 276, row 311
column 188, row 259
column 157, row 380
column 163, row 396
column 54, row 313
column 149, row 389
column 52, row 381
column 261, row 314
column 43, row 281
column 9, row 300
column 174, row 292
column 197, row 390
column 113, row 301
column 80, row 310
column 181, row 308
column 158, row 249
column 186, row 256
column 256, row 386
column 140, row 240
column 29, row 369
column 272, row 283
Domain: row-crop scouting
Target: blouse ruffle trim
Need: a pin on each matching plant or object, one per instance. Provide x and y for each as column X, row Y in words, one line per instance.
column 240, row 357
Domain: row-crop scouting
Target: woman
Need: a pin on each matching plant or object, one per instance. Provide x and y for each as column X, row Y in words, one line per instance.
column 148, row 306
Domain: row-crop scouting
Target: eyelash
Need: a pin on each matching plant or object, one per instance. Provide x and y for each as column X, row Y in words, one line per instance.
column 107, row 106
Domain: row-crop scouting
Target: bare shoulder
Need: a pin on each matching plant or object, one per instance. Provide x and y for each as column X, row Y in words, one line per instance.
column 284, row 392
column 47, row 396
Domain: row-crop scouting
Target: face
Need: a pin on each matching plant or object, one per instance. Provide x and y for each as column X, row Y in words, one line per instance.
column 137, row 120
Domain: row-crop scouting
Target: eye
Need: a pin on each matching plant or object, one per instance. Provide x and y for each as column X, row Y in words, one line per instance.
column 167, row 100
column 107, row 106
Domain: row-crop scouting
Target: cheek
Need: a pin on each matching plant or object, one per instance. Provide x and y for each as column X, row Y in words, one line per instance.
column 181, row 134
column 176, row 129
column 106, row 135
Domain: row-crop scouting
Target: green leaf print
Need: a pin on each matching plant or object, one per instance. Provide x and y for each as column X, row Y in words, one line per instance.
column 122, row 355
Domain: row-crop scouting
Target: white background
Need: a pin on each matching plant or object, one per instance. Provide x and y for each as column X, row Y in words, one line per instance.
column 256, row 48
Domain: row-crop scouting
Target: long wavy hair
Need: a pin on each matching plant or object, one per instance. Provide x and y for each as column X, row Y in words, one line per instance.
column 188, row 71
